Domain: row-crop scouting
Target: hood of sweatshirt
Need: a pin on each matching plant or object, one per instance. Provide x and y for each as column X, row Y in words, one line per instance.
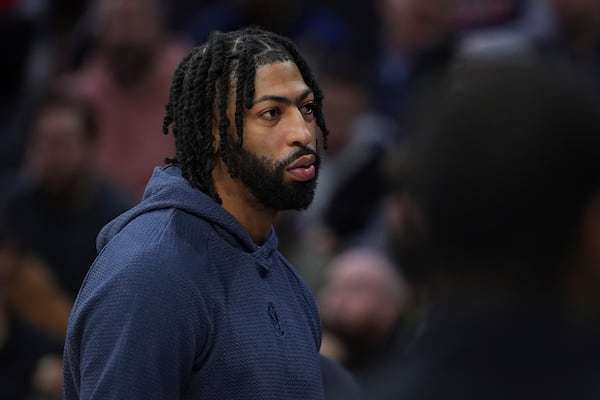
column 168, row 189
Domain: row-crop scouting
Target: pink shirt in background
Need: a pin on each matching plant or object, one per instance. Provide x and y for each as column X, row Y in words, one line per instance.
column 130, row 139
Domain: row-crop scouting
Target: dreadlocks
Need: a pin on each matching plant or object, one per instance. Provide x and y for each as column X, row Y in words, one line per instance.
column 200, row 90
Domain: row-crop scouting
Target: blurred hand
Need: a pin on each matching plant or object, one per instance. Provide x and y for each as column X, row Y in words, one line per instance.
column 48, row 377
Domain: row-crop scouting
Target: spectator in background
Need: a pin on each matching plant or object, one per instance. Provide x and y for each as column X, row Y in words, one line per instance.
column 494, row 27
column 349, row 199
column 415, row 36
column 573, row 47
column 282, row 16
column 35, row 39
column 126, row 80
column 362, row 304
column 27, row 353
column 58, row 209
column 505, row 174
column 314, row 24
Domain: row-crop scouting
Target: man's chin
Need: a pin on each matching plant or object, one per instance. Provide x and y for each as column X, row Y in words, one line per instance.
column 289, row 206
column 288, row 199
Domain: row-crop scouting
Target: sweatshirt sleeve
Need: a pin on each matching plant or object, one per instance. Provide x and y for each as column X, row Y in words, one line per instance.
column 136, row 334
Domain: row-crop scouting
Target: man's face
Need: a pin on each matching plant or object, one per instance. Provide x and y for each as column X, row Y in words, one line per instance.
column 279, row 160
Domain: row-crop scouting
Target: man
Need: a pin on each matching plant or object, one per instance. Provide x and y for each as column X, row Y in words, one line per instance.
column 505, row 175
column 189, row 296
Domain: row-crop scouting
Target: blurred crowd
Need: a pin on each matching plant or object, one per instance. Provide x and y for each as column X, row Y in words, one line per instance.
column 408, row 241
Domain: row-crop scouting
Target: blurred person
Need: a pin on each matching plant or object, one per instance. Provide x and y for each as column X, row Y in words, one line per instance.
column 281, row 16
column 349, row 202
column 26, row 352
column 321, row 23
column 503, row 170
column 401, row 236
column 126, row 80
column 578, row 21
column 189, row 296
column 573, row 46
column 415, row 35
column 357, row 33
column 362, row 303
column 60, row 204
column 37, row 35
column 500, row 26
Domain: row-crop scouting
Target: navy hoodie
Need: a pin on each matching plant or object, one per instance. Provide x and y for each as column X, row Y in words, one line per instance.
column 181, row 304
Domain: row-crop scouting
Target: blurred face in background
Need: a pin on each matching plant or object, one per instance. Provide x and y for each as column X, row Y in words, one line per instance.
column 413, row 25
column 363, row 297
column 130, row 32
column 59, row 151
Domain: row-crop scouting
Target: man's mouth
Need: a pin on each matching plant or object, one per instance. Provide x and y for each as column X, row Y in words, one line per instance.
column 303, row 169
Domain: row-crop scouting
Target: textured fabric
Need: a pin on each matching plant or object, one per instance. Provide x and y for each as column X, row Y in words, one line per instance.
column 180, row 303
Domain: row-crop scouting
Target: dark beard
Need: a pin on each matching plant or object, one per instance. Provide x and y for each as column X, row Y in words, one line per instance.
column 264, row 179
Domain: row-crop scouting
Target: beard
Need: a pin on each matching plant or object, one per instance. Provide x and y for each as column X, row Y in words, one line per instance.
column 264, row 179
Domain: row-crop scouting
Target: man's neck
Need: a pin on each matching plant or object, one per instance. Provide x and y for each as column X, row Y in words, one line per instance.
column 255, row 221
column 255, row 218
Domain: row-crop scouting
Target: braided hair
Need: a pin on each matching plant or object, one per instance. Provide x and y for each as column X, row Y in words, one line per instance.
column 200, row 90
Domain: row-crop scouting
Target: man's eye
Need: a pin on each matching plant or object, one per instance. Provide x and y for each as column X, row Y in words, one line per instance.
column 308, row 108
column 270, row 114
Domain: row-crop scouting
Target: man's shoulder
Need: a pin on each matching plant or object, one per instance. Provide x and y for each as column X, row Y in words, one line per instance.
column 169, row 227
column 149, row 265
column 159, row 245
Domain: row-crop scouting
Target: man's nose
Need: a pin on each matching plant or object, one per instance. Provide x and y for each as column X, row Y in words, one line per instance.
column 300, row 132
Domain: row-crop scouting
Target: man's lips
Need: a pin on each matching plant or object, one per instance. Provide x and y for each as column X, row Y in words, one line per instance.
column 303, row 169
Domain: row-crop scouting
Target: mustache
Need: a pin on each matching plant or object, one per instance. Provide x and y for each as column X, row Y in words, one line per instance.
column 304, row 151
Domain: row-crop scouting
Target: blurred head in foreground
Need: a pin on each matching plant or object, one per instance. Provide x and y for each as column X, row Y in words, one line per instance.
column 505, row 170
